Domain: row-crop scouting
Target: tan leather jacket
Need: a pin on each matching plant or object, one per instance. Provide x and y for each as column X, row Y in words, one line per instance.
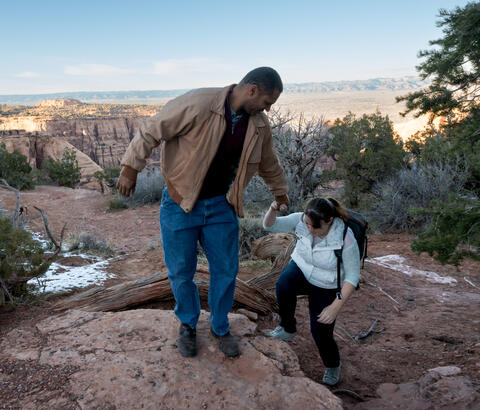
column 191, row 128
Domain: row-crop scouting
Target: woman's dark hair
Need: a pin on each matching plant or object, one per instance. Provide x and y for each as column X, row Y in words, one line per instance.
column 265, row 78
column 322, row 209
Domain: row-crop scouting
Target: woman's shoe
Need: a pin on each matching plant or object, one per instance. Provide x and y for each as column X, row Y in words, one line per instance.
column 332, row 375
column 281, row 334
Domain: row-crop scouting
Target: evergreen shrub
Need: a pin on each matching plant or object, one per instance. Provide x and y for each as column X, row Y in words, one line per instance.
column 21, row 256
column 14, row 168
column 64, row 171
column 454, row 232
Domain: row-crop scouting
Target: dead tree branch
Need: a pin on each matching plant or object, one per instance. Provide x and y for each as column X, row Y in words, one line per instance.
column 369, row 331
column 470, row 282
column 58, row 244
column 349, row 393
column 4, row 287
column 344, row 330
column 385, row 293
column 4, row 184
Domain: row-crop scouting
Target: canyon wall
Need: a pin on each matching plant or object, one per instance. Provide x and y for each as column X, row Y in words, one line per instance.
column 36, row 148
column 104, row 140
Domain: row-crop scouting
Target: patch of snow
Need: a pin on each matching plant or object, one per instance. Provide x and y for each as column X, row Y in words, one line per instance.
column 71, row 277
column 39, row 238
column 396, row 262
column 60, row 278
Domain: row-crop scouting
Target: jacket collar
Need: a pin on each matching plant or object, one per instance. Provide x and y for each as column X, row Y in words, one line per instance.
column 334, row 238
column 218, row 106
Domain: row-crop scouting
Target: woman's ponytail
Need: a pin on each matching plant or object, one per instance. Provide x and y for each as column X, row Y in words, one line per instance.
column 339, row 209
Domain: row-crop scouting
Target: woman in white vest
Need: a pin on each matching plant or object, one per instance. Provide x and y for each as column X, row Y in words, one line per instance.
column 313, row 272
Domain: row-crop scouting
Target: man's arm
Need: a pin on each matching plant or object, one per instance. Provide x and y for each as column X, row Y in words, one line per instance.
column 174, row 120
column 272, row 173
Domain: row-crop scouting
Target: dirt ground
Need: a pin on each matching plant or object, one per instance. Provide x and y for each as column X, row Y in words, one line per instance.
column 420, row 325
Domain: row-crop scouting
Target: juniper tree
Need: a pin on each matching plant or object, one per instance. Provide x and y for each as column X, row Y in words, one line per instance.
column 14, row 168
column 366, row 150
column 453, row 65
column 64, row 171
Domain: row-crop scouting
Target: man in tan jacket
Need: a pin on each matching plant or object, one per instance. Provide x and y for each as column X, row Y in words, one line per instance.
column 215, row 140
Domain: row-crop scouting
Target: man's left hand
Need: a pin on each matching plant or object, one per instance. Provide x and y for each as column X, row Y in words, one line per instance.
column 283, row 202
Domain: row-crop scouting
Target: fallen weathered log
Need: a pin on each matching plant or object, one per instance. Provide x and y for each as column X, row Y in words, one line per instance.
column 157, row 288
column 255, row 294
column 268, row 280
column 271, row 246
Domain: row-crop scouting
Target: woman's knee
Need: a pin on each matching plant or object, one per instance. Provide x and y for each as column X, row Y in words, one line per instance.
column 284, row 282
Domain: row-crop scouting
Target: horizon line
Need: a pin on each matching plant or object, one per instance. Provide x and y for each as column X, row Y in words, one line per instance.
column 173, row 90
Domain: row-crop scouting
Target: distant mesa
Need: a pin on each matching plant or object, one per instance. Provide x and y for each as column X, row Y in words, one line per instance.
column 58, row 103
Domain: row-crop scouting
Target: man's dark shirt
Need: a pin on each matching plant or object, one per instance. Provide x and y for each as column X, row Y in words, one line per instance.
column 223, row 168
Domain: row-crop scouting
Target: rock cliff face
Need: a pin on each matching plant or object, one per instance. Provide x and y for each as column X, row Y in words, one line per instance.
column 104, row 140
column 102, row 132
column 61, row 102
column 37, row 148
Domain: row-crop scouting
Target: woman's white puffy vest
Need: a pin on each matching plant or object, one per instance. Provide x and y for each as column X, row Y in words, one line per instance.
column 319, row 264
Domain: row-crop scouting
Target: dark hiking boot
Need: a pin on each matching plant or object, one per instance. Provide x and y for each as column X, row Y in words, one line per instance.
column 187, row 341
column 227, row 344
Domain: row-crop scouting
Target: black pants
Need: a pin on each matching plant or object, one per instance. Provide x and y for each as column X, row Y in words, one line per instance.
column 292, row 283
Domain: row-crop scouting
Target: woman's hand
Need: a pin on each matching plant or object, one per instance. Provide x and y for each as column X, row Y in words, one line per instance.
column 271, row 215
column 329, row 314
column 277, row 207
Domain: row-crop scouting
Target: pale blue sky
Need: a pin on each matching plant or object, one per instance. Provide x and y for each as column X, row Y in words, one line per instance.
column 54, row 46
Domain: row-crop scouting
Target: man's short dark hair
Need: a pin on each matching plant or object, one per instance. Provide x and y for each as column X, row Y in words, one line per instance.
column 265, row 78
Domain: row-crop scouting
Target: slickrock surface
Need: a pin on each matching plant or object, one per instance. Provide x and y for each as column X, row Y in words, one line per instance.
column 439, row 388
column 129, row 360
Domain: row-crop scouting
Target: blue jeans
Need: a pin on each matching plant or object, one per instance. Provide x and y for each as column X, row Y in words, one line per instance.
column 214, row 223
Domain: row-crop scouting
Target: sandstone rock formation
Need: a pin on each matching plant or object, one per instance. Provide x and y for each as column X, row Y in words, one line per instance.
column 129, row 360
column 102, row 132
column 440, row 388
column 38, row 147
column 61, row 102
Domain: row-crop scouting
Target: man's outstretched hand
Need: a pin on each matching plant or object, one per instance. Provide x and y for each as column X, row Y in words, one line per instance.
column 127, row 180
column 282, row 202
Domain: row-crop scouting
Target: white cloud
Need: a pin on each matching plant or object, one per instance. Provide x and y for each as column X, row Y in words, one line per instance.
column 27, row 74
column 187, row 66
column 95, row 70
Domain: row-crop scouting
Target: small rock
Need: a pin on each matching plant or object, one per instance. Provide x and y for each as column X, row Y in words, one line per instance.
column 251, row 315
column 446, row 370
